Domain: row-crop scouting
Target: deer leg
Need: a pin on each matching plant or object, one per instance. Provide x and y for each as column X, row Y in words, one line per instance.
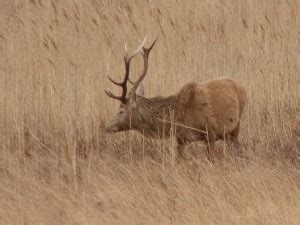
column 210, row 141
column 235, row 134
column 235, row 141
column 180, row 147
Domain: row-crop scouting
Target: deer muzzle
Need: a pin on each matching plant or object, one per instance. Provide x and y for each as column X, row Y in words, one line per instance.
column 111, row 130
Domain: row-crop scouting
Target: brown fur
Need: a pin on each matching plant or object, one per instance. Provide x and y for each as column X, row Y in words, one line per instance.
column 206, row 111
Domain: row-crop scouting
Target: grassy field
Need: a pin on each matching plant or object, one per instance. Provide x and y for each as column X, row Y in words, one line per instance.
column 58, row 166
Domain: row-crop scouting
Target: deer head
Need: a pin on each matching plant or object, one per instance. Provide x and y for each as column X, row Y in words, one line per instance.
column 128, row 113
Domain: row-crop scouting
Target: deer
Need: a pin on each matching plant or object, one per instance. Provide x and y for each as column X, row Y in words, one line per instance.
column 208, row 111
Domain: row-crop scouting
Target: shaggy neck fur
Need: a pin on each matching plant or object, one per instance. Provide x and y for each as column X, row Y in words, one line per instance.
column 154, row 111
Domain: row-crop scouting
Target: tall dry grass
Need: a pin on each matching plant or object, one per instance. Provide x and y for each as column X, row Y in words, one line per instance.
column 57, row 165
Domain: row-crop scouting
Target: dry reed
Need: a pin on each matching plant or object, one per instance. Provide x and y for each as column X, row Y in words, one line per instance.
column 57, row 165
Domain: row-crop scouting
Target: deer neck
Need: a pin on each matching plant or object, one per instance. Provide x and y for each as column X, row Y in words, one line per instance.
column 157, row 115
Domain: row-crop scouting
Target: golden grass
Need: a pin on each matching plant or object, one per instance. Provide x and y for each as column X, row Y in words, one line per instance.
column 58, row 166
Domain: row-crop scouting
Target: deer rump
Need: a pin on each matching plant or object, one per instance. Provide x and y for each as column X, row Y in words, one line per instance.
column 215, row 106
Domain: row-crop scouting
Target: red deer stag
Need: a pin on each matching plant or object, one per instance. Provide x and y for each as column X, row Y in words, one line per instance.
column 200, row 111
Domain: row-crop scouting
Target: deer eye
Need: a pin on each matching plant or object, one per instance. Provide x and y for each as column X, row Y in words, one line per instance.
column 121, row 112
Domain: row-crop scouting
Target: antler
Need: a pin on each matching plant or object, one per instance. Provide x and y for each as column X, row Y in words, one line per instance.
column 145, row 52
column 123, row 84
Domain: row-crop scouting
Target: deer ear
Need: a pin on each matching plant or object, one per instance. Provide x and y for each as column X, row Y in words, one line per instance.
column 140, row 90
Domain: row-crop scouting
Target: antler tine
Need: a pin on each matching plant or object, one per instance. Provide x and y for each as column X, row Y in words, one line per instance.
column 138, row 50
column 114, row 82
column 140, row 47
column 145, row 52
column 122, row 84
column 112, row 95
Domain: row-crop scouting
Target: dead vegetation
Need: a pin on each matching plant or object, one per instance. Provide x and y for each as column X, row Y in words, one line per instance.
column 58, row 166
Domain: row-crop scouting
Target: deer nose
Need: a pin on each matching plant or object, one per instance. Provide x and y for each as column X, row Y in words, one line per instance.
column 110, row 130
